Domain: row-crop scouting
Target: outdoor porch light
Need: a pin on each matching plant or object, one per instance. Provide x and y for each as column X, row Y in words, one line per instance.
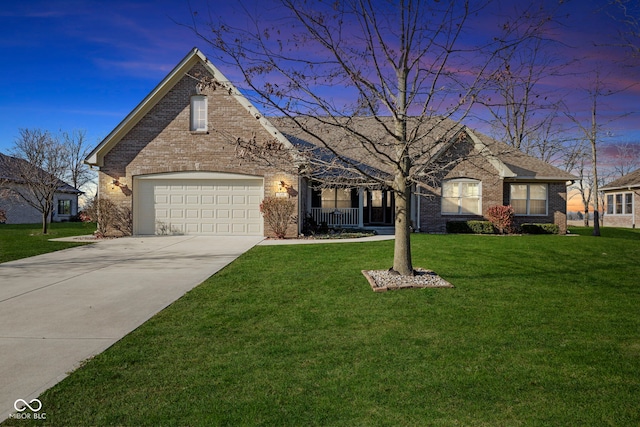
column 115, row 183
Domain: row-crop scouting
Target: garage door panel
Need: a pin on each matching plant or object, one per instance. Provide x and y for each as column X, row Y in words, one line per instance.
column 222, row 229
column 192, row 228
column 254, row 229
column 198, row 206
column 239, row 228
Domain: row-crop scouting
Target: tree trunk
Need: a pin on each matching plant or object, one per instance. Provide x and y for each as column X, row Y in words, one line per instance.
column 402, row 249
column 45, row 222
column 594, row 165
column 586, row 217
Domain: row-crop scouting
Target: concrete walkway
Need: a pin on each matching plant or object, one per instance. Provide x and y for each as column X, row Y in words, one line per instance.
column 61, row 308
column 276, row 242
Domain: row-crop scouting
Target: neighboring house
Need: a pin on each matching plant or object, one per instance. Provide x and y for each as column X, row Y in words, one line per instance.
column 18, row 211
column 176, row 161
column 623, row 201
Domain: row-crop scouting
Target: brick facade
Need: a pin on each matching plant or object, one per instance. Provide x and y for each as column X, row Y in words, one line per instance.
column 494, row 190
column 162, row 142
column 155, row 138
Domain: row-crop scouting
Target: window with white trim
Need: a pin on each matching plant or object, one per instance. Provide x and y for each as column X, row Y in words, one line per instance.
column 461, row 197
column 529, row 199
column 198, row 113
column 620, row 204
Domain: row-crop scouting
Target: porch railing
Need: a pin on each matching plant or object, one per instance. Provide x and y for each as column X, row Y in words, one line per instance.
column 348, row 217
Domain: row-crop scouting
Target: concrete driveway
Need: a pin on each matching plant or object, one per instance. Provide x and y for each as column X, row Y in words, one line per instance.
column 61, row 308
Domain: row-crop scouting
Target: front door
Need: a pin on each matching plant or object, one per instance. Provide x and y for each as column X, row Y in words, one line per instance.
column 378, row 207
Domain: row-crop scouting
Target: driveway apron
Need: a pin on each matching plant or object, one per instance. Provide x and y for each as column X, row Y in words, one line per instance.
column 61, row 308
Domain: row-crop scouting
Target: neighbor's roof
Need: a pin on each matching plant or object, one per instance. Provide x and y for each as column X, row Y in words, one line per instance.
column 438, row 135
column 96, row 157
column 630, row 180
column 10, row 168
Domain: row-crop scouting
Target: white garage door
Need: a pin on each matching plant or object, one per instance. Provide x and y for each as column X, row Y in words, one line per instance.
column 198, row 203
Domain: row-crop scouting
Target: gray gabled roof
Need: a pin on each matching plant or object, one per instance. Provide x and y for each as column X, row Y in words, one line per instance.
column 10, row 168
column 509, row 162
column 523, row 166
column 628, row 181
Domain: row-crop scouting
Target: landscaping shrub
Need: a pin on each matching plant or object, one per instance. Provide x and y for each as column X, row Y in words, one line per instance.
column 502, row 218
column 110, row 217
column 470, row 227
column 540, row 228
column 458, row 227
column 277, row 214
column 3, row 216
column 481, row 227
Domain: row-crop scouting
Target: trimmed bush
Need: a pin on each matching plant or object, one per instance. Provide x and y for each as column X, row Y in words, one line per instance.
column 470, row 227
column 3, row 216
column 277, row 214
column 481, row 227
column 540, row 228
column 502, row 218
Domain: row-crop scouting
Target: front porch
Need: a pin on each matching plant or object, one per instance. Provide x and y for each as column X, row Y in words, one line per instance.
column 352, row 208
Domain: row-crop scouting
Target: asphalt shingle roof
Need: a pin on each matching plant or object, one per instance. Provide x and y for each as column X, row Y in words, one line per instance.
column 629, row 180
column 379, row 130
column 10, row 167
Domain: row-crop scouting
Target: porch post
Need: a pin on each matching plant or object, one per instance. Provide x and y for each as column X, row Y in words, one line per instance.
column 360, row 207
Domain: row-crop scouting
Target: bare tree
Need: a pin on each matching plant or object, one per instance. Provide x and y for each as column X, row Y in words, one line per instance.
column 79, row 174
column 626, row 158
column 580, row 166
column 627, row 13
column 592, row 131
column 407, row 64
column 36, row 170
column 523, row 114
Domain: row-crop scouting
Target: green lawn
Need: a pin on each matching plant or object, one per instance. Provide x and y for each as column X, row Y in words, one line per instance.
column 539, row 330
column 25, row 240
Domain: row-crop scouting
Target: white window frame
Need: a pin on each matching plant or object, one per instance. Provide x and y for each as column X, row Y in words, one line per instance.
column 461, row 197
column 198, row 119
column 612, row 204
column 528, row 199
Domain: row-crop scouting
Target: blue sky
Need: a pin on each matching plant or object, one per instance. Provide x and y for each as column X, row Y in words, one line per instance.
column 71, row 64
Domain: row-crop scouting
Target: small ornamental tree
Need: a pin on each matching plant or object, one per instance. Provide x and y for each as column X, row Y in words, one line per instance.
column 502, row 218
column 277, row 214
